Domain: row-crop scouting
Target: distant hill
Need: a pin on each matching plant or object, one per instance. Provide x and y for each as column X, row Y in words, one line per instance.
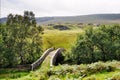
column 95, row 18
column 3, row 20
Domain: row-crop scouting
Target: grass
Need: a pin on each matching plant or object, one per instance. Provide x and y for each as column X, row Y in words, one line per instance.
column 64, row 39
column 102, row 75
column 12, row 73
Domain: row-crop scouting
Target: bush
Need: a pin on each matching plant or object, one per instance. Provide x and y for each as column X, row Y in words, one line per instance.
column 115, row 77
column 80, row 71
column 61, row 27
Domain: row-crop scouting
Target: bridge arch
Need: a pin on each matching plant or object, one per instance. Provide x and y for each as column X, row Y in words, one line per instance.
column 56, row 54
column 49, row 53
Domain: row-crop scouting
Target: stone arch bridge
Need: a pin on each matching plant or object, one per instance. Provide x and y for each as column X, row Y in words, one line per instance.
column 49, row 57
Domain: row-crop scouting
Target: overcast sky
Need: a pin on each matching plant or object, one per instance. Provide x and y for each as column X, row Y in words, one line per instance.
column 43, row 8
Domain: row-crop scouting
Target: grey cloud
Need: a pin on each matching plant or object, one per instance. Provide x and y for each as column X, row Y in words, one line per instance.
column 60, row 7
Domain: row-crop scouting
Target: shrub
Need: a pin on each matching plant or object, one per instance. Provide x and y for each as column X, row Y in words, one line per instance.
column 115, row 77
column 61, row 27
column 80, row 71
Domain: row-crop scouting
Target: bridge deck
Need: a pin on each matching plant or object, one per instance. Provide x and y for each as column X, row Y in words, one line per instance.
column 46, row 62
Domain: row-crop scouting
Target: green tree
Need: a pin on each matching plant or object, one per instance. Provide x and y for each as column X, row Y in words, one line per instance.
column 102, row 43
column 83, row 52
column 108, row 41
column 21, row 38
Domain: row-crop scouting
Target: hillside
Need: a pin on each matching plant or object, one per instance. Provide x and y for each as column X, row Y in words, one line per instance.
column 95, row 18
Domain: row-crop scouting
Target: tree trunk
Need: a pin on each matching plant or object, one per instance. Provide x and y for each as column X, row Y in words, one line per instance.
column 22, row 58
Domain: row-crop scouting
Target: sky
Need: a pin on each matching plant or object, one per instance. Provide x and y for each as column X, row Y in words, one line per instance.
column 44, row 8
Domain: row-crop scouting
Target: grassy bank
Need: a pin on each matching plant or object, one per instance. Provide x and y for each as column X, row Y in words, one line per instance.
column 93, row 71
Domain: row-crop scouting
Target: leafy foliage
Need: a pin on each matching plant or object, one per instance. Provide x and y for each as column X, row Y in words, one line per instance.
column 115, row 77
column 102, row 43
column 20, row 40
column 79, row 72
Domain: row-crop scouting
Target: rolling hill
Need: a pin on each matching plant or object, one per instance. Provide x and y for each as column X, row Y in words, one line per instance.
column 94, row 18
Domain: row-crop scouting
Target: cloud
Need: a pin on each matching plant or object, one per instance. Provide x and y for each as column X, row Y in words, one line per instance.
column 60, row 7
